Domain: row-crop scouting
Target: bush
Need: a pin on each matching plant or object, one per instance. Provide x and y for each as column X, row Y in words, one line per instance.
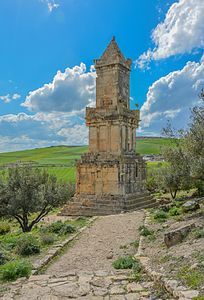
column 4, row 228
column 10, row 241
column 47, row 239
column 3, row 258
column 56, row 227
column 160, row 215
column 175, row 211
column 15, row 269
column 145, row 231
column 27, row 245
column 124, row 262
column 67, row 228
column 198, row 233
column 61, row 228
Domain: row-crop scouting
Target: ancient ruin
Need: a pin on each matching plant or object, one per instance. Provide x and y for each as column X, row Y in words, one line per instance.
column 111, row 176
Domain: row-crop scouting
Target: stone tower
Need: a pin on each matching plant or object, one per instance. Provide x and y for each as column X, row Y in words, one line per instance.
column 111, row 176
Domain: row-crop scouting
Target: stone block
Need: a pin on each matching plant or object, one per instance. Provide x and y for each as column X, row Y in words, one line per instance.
column 176, row 236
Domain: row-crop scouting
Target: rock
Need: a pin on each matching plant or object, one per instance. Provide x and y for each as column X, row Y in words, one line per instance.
column 133, row 296
column 176, row 236
column 134, row 287
column 117, row 290
column 68, row 290
column 101, row 282
column 188, row 294
column 110, row 255
column 190, row 206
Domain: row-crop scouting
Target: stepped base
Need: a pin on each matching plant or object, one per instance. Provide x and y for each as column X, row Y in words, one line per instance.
column 90, row 205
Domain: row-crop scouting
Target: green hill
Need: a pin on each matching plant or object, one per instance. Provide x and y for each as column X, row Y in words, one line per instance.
column 60, row 160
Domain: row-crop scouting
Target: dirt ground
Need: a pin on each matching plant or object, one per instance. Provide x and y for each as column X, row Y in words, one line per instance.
column 184, row 261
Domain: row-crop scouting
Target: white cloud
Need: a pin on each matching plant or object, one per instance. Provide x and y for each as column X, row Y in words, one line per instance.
column 72, row 90
column 77, row 135
column 51, row 4
column 8, row 98
column 181, row 31
column 23, row 131
column 171, row 97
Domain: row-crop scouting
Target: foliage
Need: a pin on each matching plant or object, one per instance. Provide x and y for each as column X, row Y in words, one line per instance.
column 135, row 244
column 27, row 245
column 55, row 227
column 198, row 233
column 15, row 269
column 3, row 258
column 67, row 228
column 160, row 215
column 60, row 228
column 10, row 241
column 47, row 239
column 4, row 228
column 144, row 231
column 191, row 278
column 186, row 158
column 26, row 191
column 175, row 211
column 126, row 262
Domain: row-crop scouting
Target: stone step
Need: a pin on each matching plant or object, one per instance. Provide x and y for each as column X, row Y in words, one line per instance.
column 103, row 209
column 111, row 205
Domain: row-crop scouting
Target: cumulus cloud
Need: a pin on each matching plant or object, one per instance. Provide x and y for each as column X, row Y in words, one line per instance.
column 24, row 131
column 181, row 31
column 77, row 135
column 51, row 4
column 72, row 90
column 8, row 98
column 171, row 97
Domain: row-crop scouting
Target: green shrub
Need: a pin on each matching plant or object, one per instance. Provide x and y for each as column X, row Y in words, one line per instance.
column 191, row 278
column 15, row 269
column 27, row 245
column 198, row 298
column 10, row 241
column 160, row 215
column 135, row 244
column 3, row 258
column 124, row 262
column 198, row 233
column 56, row 226
column 61, row 228
column 67, row 228
column 175, row 211
column 137, row 270
column 144, row 231
column 47, row 239
column 4, row 228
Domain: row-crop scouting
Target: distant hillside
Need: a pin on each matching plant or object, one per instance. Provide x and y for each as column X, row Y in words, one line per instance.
column 60, row 160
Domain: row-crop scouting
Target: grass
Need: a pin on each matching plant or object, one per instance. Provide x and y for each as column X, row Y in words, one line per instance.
column 14, row 245
column 191, row 278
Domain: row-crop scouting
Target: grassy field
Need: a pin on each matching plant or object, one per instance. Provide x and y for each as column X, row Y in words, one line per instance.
column 60, row 160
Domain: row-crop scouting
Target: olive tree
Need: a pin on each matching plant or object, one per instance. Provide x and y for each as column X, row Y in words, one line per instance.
column 185, row 155
column 29, row 194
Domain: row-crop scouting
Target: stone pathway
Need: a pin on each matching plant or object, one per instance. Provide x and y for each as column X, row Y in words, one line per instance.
column 108, row 238
column 85, row 271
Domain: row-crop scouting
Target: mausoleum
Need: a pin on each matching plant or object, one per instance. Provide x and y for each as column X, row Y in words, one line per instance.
column 111, row 176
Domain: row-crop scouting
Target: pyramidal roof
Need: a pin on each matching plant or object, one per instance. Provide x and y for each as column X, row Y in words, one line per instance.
column 112, row 55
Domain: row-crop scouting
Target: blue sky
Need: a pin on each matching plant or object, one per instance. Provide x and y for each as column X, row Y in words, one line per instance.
column 165, row 40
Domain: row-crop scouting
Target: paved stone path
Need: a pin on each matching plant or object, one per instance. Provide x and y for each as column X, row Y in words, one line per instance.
column 85, row 270
column 108, row 238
